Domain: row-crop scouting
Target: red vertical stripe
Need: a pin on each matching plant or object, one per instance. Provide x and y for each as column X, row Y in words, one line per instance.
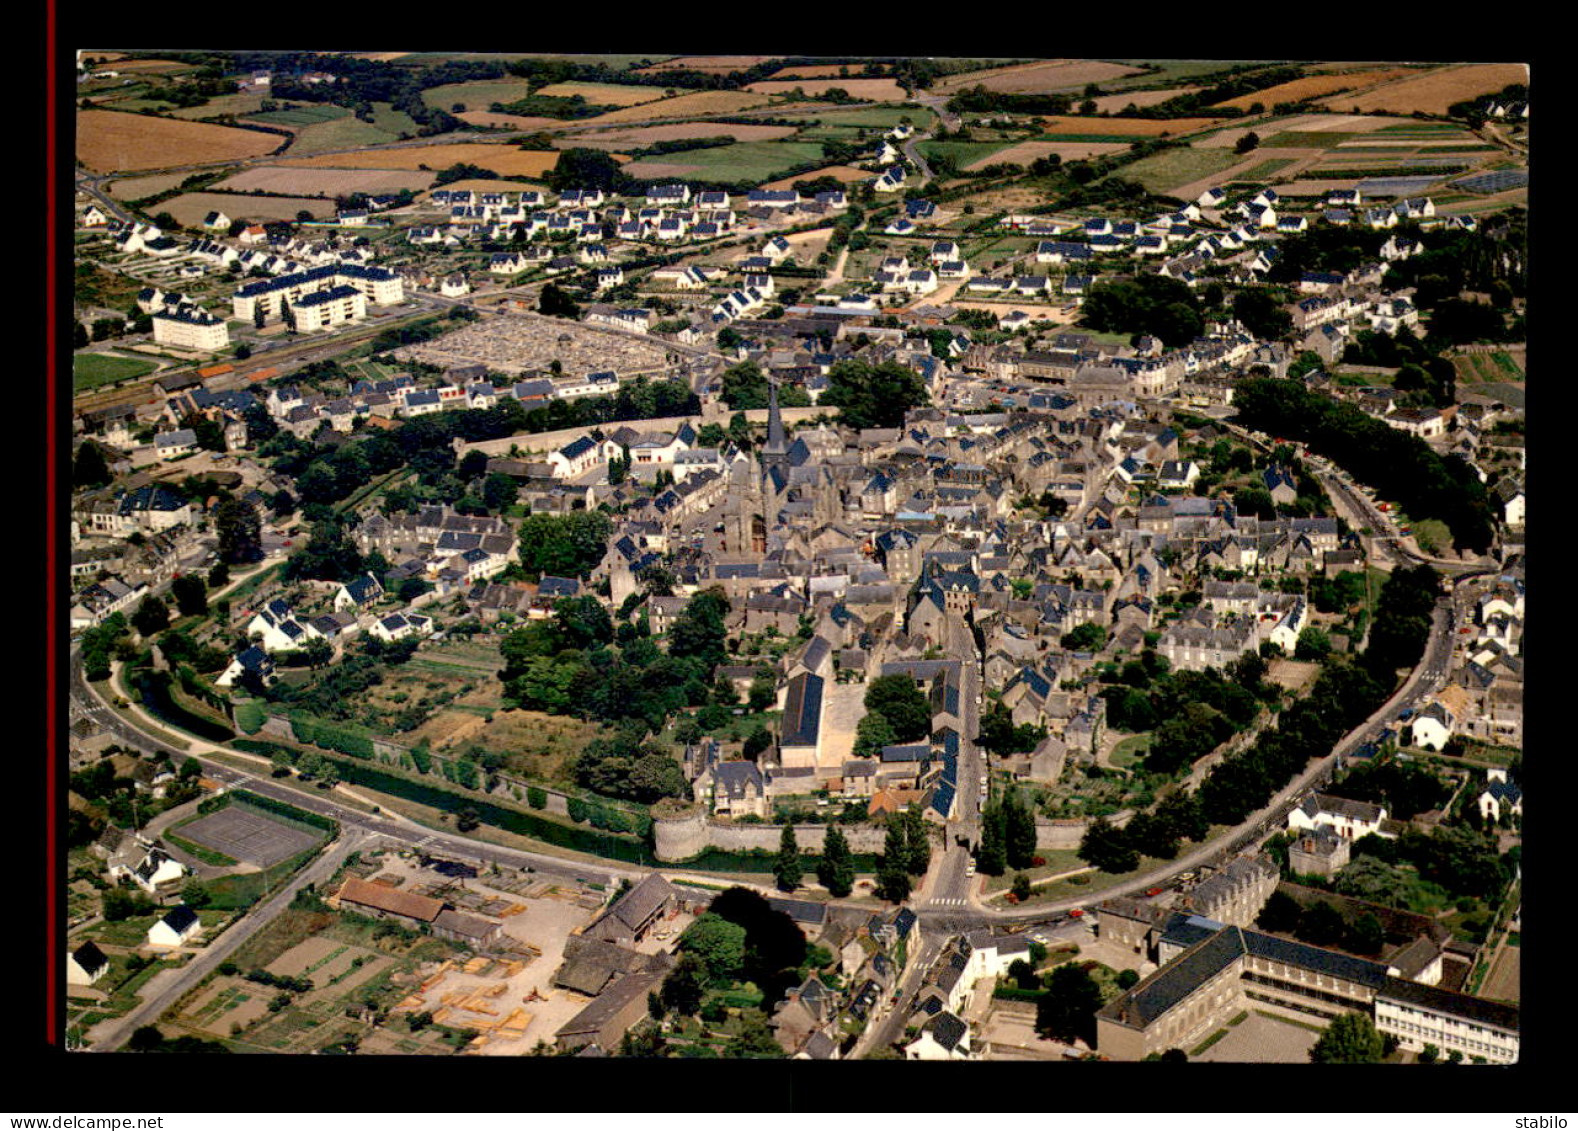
column 51, row 533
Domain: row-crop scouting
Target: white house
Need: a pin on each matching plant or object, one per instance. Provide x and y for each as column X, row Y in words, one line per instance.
column 1500, row 796
column 177, row 928
column 944, row 1037
column 1433, row 726
column 85, row 965
column 358, row 591
column 156, row 870
column 1349, row 819
column 397, row 626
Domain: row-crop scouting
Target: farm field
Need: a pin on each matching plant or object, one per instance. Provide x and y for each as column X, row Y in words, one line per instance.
column 1164, row 172
column 509, row 121
column 1038, row 77
column 603, row 94
column 818, row 71
column 1076, row 128
column 724, row 63
column 301, row 115
column 848, row 174
column 686, row 106
column 1028, row 151
column 476, row 95
column 1432, row 93
column 387, row 125
column 135, row 188
column 1173, row 70
column 326, row 182
column 673, row 131
column 1112, row 103
column 241, row 105
column 110, row 142
column 964, row 154
column 1312, row 86
column 885, row 116
column 874, row 90
column 747, row 160
column 505, row 160
column 1265, row 169
column 89, row 370
column 190, row 208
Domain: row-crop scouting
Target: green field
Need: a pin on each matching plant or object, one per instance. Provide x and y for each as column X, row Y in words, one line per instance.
column 1307, row 139
column 963, row 153
column 1172, row 71
column 1165, row 171
column 92, row 369
column 238, row 104
column 1265, row 169
column 1122, row 138
column 476, row 95
column 888, row 116
column 617, row 62
column 350, row 133
column 301, row 116
column 746, row 160
column 1476, row 368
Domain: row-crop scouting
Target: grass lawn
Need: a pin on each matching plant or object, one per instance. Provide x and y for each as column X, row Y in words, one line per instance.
column 1057, row 861
column 89, row 370
column 1131, row 750
column 1165, row 171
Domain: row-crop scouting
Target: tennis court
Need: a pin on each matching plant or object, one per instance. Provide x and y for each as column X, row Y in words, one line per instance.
column 245, row 834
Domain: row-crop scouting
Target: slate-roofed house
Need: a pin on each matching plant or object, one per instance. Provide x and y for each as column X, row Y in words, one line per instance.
column 634, row 914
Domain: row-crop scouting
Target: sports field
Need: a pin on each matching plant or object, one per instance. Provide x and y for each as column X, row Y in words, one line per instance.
column 245, row 834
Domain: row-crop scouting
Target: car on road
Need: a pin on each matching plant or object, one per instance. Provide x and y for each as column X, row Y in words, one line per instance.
column 1077, row 913
column 969, row 869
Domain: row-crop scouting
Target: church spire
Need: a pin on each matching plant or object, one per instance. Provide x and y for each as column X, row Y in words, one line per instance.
column 775, row 422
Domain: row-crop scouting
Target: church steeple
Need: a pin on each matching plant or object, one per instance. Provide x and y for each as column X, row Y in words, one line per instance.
column 775, row 423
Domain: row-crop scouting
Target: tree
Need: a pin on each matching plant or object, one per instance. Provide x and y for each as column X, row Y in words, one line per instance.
column 1089, row 637
column 1366, row 935
column 788, row 868
column 240, row 531
column 1019, row 831
column 873, row 396
column 893, row 883
column 1021, row 886
column 152, row 616
column 1280, row 915
column 1350, row 1039
column 718, row 943
column 79, row 335
column 1246, row 143
column 191, row 595
column 899, row 700
column 90, row 469
column 1106, row 848
column 685, row 985
column 835, row 870
column 1313, row 644
column 754, row 1039
column 1068, row 1011
column 917, row 845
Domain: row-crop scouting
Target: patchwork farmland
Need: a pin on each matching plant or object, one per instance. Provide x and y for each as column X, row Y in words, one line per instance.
column 109, row 142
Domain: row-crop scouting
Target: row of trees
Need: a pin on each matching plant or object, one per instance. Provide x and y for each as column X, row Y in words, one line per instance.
column 1400, row 466
column 1156, row 833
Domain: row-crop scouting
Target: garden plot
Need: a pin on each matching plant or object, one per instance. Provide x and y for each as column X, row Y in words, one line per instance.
column 245, row 834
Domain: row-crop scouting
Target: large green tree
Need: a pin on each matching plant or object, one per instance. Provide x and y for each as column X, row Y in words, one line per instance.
column 1068, row 1010
column 835, row 869
column 788, row 867
column 874, row 396
column 1350, row 1039
column 899, row 700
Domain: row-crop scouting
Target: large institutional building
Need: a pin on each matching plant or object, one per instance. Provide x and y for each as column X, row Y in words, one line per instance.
column 377, row 285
